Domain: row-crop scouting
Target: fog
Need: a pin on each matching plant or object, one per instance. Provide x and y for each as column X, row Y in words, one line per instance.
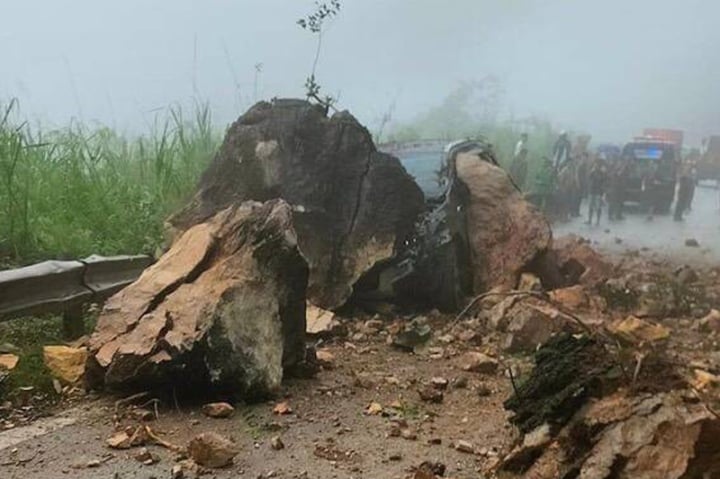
column 608, row 67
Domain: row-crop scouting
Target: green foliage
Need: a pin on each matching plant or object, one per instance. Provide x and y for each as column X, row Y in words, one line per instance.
column 75, row 191
column 314, row 23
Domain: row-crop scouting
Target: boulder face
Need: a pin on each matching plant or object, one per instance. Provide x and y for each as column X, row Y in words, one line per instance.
column 353, row 206
column 224, row 309
column 505, row 232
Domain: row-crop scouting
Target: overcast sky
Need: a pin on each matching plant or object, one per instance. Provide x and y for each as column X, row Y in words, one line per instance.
column 610, row 67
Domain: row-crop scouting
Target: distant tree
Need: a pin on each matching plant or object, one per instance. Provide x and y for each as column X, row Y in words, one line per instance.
column 314, row 23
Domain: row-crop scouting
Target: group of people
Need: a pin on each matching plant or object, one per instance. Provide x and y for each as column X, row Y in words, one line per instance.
column 564, row 180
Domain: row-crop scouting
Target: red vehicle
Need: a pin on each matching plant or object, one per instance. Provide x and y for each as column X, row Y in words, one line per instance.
column 664, row 134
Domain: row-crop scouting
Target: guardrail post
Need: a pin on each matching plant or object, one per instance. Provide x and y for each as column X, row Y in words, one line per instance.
column 73, row 322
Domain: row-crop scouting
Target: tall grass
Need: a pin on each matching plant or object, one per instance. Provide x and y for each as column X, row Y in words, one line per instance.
column 71, row 192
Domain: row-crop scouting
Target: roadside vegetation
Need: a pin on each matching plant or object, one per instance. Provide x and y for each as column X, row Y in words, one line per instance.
column 472, row 110
column 75, row 191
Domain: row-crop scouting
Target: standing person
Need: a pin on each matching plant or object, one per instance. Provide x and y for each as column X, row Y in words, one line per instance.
column 520, row 145
column 616, row 189
column 544, row 185
column 561, row 151
column 650, row 180
column 596, row 184
column 685, row 185
column 569, row 189
column 518, row 168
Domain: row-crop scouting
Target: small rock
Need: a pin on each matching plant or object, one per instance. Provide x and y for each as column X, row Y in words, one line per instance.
column 282, row 408
column 417, row 332
column 408, row 434
column 325, row 358
column 359, row 337
column 146, row 457
column 395, row 457
column 429, row 470
column 446, row 338
column 8, row 361
column 177, row 472
column 374, row 409
column 479, row 363
column 430, row 394
column 436, row 353
column 435, row 441
column 65, row 363
column 210, row 449
column 439, row 383
column 465, row 446
column 460, row 382
column 711, row 322
column 218, row 410
column 468, row 336
column 529, row 282
column 692, row 243
column 276, row 443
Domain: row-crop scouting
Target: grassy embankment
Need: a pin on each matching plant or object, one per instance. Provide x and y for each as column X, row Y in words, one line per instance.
column 72, row 192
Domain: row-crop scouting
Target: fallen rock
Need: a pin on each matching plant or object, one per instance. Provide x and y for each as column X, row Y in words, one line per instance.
column 573, row 298
column 325, row 358
column 439, row 383
column 655, row 436
column 146, row 457
column 210, row 449
column 430, row 394
column 353, row 205
column 429, row 470
column 711, row 322
column 8, row 361
column 130, row 437
column 692, row 243
column 192, row 320
column 322, row 323
column 479, row 363
column 579, row 262
column 505, row 232
column 465, row 446
column 276, row 443
column 415, row 334
column 374, row 409
column 637, row 330
column 282, row 408
column 529, row 282
column 65, row 363
column 218, row 410
column 177, row 472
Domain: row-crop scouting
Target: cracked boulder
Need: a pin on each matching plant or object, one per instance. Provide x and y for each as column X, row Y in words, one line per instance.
column 223, row 309
column 353, row 206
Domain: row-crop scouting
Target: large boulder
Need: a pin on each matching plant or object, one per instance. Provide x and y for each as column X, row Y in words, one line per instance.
column 506, row 233
column 224, row 309
column 353, row 206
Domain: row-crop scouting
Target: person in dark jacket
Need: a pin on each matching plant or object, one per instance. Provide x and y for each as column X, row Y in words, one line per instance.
column 684, row 192
column 597, row 182
column 616, row 189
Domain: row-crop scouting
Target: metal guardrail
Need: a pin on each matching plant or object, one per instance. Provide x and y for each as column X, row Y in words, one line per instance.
column 62, row 287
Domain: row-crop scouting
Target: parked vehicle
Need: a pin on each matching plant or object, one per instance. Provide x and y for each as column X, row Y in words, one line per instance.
column 652, row 173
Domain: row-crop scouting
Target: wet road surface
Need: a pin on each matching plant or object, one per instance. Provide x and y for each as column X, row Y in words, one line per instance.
column 660, row 237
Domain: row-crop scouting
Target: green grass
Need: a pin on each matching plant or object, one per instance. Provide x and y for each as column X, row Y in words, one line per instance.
column 75, row 191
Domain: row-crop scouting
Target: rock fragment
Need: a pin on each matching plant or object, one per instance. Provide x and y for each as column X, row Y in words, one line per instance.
column 212, row 450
